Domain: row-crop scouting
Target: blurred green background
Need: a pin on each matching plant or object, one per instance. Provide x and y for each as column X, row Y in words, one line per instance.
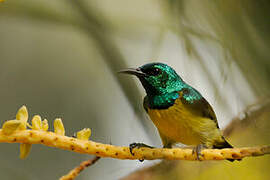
column 60, row 59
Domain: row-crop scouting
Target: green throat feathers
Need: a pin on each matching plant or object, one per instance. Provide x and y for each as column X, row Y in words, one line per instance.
column 162, row 85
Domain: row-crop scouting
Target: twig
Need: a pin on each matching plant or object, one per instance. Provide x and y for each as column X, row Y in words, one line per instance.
column 106, row 150
column 75, row 172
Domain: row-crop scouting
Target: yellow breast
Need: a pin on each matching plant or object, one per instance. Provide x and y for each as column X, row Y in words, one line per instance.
column 179, row 124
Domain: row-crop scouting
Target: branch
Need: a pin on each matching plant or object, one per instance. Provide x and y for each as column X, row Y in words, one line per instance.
column 106, row 150
column 75, row 172
column 14, row 131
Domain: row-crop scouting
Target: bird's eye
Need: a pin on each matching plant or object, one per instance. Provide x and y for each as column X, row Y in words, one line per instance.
column 154, row 72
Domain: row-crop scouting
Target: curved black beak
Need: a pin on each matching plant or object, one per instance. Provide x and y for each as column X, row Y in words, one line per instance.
column 137, row 72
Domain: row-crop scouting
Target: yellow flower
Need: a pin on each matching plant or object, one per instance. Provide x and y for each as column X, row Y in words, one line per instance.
column 59, row 127
column 10, row 126
column 25, row 150
column 36, row 123
column 22, row 115
column 45, row 125
column 84, row 134
column 18, row 124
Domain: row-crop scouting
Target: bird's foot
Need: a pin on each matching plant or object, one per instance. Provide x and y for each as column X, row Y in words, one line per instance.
column 138, row 145
column 197, row 150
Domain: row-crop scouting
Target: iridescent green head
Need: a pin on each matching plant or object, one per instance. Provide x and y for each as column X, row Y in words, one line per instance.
column 157, row 78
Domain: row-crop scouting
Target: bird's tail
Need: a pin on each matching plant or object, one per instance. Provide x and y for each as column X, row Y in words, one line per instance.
column 222, row 145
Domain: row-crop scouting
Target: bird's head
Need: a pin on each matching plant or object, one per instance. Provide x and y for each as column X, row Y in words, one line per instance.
column 156, row 78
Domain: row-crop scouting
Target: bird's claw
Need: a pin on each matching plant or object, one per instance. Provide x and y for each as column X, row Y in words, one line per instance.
column 197, row 150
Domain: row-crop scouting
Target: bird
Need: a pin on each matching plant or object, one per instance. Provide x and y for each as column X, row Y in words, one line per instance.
column 179, row 112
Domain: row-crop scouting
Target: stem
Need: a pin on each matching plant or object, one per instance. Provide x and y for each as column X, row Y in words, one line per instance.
column 106, row 150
